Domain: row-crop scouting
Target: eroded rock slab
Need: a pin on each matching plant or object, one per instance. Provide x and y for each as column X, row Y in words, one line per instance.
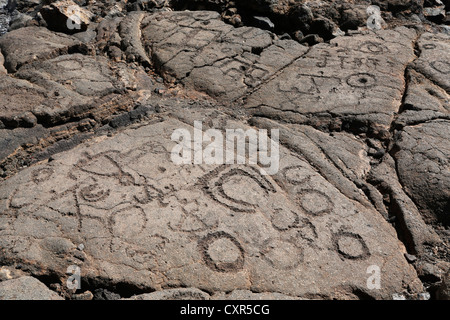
column 355, row 82
column 434, row 58
column 26, row 288
column 64, row 88
column 150, row 223
column 423, row 167
column 204, row 53
column 20, row 49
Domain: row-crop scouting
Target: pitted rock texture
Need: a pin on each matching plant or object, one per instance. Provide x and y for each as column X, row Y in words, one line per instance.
column 87, row 177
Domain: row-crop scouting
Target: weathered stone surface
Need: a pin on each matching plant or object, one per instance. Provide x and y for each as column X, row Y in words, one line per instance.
column 141, row 225
column 424, row 169
column 19, row 48
column 359, row 80
column 434, row 58
column 64, row 88
column 26, row 288
column 412, row 230
column 204, row 53
column 424, row 101
column 10, row 140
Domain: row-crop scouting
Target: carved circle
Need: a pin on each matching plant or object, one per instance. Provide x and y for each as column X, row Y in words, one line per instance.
column 295, row 175
column 94, row 193
column 351, row 246
column 315, row 202
column 441, row 66
column 128, row 222
column 283, row 220
column 429, row 46
column 373, row 47
column 281, row 254
column 221, row 252
column 362, row 80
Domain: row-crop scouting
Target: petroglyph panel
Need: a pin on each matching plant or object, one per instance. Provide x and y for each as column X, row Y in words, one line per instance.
column 205, row 54
column 350, row 76
column 149, row 222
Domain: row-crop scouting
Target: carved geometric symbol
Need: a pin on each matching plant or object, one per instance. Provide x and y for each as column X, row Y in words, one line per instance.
column 128, row 222
column 429, row 46
column 283, row 220
column 362, row 80
column 94, row 193
column 441, row 66
column 281, row 254
column 221, row 252
column 373, row 48
column 315, row 202
column 223, row 186
column 296, row 174
column 350, row 245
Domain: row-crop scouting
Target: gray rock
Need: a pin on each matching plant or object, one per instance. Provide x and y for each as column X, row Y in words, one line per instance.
column 434, row 58
column 423, row 167
column 26, row 288
column 363, row 158
column 263, row 23
column 435, row 14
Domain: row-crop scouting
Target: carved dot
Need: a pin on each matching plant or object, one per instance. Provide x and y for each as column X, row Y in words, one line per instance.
column 221, row 252
column 361, row 80
column 316, row 202
column 282, row 255
column 351, row 246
